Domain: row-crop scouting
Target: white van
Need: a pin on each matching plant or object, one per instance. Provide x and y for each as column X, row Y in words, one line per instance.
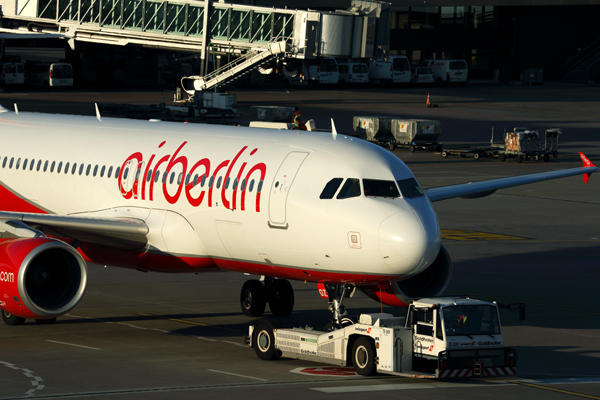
column 12, row 73
column 353, row 73
column 324, row 73
column 448, row 71
column 396, row 69
column 49, row 75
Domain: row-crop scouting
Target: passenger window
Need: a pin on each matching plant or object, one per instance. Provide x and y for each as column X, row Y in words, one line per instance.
column 45, row 165
column 259, row 188
column 179, row 178
column 410, row 188
column 4, row 162
column 195, row 179
column 219, row 182
column 59, row 167
column 377, row 188
column 227, row 183
column 102, row 171
column 38, row 166
column 67, row 168
column 81, row 169
column 243, row 187
column 109, row 172
column 235, row 183
column 25, row 164
column 330, row 188
column 87, row 170
column 351, row 188
column 148, row 177
column 211, row 181
column 156, row 176
column 251, row 185
column 32, row 164
column 187, row 179
column 164, row 179
column 117, row 172
column 18, row 164
column 12, row 160
column 172, row 177
column 52, row 166
column 203, row 181
column 95, row 170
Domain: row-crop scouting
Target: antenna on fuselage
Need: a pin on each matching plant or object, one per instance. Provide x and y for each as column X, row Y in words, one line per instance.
column 333, row 130
column 16, row 109
column 98, row 113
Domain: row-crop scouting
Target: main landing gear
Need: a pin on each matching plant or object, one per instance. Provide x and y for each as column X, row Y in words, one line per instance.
column 277, row 292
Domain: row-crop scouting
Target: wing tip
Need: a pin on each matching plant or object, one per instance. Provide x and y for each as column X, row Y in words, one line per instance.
column 586, row 163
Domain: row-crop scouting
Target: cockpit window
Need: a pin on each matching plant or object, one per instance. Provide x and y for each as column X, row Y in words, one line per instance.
column 377, row 188
column 351, row 188
column 410, row 188
column 331, row 187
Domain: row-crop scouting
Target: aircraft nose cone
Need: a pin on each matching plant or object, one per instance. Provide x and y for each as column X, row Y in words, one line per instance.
column 409, row 241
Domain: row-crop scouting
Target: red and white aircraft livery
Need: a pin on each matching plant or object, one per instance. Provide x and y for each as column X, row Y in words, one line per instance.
column 172, row 197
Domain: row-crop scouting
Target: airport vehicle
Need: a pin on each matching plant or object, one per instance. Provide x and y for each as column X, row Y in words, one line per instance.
column 448, row 71
column 174, row 197
column 394, row 70
column 325, row 72
column 49, row 75
column 12, row 74
column 441, row 337
column 422, row 76
column 353, row 73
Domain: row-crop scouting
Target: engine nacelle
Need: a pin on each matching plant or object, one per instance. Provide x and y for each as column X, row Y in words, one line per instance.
column 429, row 283
column 40, row 277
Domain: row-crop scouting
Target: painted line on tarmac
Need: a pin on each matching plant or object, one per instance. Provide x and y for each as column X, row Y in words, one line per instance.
column 526, row 302
column 74, row 345
column 189, row 322
column 587, row 396
column 36, row 380
column 461, row 235
column 242, row 376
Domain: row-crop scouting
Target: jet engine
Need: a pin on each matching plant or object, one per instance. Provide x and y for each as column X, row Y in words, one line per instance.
column 40, row 278
column 428, row 283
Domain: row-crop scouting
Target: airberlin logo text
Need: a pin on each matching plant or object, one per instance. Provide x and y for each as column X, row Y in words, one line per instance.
column 7, row 277
column 203, row 181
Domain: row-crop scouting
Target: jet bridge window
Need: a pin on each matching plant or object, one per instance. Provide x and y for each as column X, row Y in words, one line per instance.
column 377, row 188
column 330, row 188
column 351, row 188
column 410, row 188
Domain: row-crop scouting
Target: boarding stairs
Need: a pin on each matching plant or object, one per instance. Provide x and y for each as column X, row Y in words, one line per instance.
column 235, row 69
column 585, row 67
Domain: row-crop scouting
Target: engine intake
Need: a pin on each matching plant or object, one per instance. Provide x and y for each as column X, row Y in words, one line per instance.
column 40, row 277
column 429, row 283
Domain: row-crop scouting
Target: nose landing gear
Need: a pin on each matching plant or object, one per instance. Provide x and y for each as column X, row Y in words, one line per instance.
column 337, row 293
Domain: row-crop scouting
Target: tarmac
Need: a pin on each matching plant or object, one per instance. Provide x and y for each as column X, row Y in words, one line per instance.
column 155, row 336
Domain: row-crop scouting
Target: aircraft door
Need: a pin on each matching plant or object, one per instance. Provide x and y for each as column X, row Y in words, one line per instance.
column 281, row 187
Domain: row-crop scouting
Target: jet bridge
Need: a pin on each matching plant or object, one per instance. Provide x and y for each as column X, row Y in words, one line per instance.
column 254, row 34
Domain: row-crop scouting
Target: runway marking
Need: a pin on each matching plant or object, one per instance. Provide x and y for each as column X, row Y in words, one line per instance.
column 243, row 376
column 558, row 390
column 451, row 234
column 189, row 322
column 36, row 382
column 526, row 302
column 74, row 345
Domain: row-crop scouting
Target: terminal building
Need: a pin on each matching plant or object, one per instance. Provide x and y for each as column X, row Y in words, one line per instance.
column 145, row 42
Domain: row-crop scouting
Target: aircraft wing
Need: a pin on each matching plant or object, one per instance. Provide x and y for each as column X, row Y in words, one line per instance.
column 126, row 233
column 485, row 188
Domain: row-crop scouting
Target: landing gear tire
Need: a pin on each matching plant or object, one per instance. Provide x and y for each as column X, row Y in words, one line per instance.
column 263, row 340
column 253, row 298
column 281, row 298
column 48, row 321
column 363, row 356
column 10, row 319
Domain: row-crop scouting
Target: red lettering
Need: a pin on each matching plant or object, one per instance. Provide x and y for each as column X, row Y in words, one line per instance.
column 195, row 202
column 135, row 156
column 179, row 160
column 263, row 171
column 222, row 165
column 155, row 176
column 223, row 197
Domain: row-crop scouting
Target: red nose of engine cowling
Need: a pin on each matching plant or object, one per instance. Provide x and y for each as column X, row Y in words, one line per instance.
column 40, row 277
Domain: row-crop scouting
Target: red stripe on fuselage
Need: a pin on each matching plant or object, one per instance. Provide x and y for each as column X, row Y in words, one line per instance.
column 11, row 202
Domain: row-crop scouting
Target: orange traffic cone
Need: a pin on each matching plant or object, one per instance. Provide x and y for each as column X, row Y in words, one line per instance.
column 428, row 104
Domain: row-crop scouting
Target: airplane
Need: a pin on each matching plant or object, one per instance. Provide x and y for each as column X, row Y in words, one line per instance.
column 171, row 197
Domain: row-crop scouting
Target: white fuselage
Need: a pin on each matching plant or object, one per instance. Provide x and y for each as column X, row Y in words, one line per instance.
column 209, row 210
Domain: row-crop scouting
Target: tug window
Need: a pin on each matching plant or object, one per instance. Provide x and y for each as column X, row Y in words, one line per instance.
column 377, row 188
column 330, row 189
column 410, row 188
column 351, row 188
